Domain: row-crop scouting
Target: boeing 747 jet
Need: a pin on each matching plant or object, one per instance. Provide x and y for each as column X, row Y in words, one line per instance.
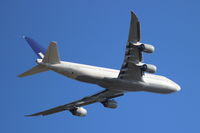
column 133, row 76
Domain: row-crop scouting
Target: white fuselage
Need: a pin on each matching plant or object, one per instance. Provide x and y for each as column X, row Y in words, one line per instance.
column 108, row 78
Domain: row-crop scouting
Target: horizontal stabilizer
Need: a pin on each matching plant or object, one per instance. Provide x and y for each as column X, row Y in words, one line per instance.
column 51, row 55
column 34, row 70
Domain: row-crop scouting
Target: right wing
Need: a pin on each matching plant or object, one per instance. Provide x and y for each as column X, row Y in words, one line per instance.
column 98, row 97
column 130, row 69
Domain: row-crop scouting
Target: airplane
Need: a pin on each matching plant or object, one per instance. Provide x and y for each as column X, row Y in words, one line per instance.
column 133, row 76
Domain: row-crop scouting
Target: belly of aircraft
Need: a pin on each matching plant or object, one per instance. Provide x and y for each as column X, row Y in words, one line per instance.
column 107, row 78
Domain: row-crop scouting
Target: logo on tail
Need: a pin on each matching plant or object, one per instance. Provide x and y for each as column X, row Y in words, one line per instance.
column 37, row 48
column 49, row 56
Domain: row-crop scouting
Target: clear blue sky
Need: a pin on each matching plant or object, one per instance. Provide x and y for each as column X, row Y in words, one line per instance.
column 95, row 32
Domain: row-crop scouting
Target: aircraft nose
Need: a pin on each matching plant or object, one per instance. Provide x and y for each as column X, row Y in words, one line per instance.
column 177, row 87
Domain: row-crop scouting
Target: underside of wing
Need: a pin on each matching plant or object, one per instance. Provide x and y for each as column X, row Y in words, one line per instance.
column 130, row 69
column 98, row 97
column 134, row 32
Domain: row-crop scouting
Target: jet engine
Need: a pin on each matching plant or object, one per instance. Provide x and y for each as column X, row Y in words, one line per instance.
column 78, row 111
column 147, row 48
column 110, row 103
column 149, row 68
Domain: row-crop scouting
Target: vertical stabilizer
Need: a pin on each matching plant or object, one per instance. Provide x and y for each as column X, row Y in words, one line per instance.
column 37, row 48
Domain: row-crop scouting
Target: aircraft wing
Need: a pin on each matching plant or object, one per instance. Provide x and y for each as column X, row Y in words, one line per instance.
column 130, row 69
column 98, row 97
column 134, row 31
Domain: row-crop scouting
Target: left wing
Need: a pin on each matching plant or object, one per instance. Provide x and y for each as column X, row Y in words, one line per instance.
column 133, row 68
column 130, row 69
column 98, row 97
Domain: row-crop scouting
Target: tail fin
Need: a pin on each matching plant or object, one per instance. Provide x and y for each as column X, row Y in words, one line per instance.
column 34, row 70
column 51, row 55
column 39, row 50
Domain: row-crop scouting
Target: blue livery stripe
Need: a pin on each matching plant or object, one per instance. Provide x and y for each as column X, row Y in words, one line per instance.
column 37, row 48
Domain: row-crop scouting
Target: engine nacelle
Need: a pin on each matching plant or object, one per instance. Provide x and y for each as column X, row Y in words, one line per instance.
column 147, row 48
column 79, row 111
column 110, row 104
column 149, row 68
